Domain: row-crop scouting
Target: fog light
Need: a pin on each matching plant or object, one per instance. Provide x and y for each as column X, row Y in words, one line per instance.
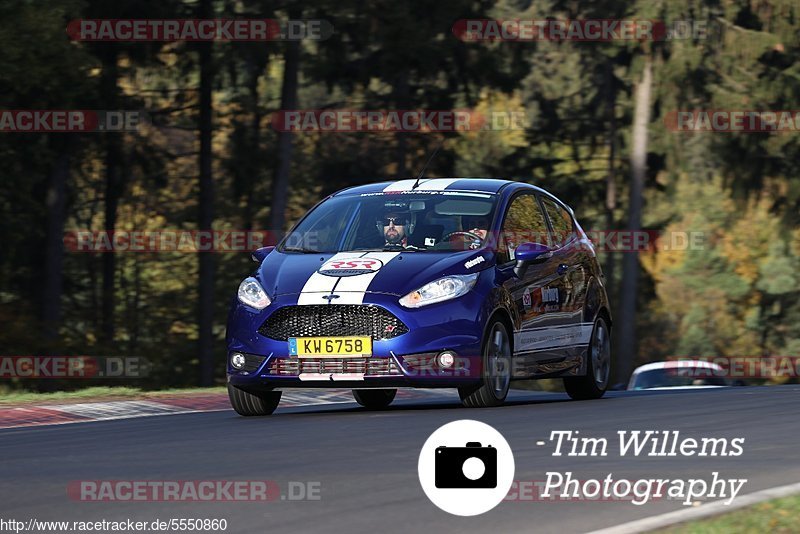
column 237, row 360
column 446, row 359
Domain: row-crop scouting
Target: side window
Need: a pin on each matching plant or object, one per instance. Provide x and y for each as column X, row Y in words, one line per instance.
column 561, row 222
column 524, row 222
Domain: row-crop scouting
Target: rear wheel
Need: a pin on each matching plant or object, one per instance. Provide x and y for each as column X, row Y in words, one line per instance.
column 374, row 399
column 249, row 404
column 496, row 371
column 598, row 366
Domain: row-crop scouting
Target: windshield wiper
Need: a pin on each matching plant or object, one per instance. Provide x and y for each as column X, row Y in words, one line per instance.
column 389, row 248
column 401, row 248
column 302, row 250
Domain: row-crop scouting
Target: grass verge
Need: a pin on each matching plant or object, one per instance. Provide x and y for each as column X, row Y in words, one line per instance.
column 8, row 398
column 779, row 516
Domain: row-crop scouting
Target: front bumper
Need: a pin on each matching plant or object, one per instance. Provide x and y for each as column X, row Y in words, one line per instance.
column 408, row 360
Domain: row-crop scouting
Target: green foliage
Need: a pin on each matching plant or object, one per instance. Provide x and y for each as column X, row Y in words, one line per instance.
column 737, row 295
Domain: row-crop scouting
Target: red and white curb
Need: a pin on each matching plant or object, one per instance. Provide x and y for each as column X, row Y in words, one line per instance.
column 59, row 414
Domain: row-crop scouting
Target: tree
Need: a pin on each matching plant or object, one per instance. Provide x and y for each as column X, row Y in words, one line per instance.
column 626, row 340
column 280, row 181
column 205, row 209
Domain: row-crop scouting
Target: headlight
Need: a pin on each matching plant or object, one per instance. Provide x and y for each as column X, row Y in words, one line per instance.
column 252, row 294
column 238, row 360
column 445, row 288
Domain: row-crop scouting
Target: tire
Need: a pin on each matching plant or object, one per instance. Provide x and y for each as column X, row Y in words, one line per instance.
column 496, row 381
column 374, row 399
column 249, row 404
column 593, row 385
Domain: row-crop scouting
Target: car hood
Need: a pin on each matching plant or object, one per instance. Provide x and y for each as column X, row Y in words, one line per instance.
column 395, row 273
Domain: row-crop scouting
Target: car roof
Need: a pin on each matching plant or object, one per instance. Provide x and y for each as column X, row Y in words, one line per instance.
column 483, row 185
column 676, row 364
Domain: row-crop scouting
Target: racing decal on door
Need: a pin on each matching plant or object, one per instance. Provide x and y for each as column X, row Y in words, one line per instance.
column 543, row 300
column 526, row 299
column 549, row 294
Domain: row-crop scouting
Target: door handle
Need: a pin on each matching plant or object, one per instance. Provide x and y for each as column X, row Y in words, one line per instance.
column 563, row 268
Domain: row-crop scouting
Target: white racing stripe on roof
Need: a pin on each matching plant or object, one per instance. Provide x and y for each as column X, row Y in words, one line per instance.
column 430, row 184
column 401, row 185
column 438, row 184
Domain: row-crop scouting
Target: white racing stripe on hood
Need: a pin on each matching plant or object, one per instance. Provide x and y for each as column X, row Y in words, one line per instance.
column 430, row 184
column 351, row 289
column 318, row 284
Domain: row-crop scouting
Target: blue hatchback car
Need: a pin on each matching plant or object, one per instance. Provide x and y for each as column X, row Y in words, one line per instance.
column 433, row 283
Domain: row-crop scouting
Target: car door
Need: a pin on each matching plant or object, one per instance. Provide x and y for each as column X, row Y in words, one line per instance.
column 537, row 294
column 571, row 262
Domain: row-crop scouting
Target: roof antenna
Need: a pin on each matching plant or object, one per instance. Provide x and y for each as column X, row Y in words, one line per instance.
column 425, row 168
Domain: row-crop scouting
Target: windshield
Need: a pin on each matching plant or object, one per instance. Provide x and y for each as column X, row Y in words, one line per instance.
column 419, row 221
column 679, row 377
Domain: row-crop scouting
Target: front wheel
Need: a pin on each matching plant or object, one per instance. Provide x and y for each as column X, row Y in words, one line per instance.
column 598, row 366
column 496, row 371
column 374, row 399
column 249, row 404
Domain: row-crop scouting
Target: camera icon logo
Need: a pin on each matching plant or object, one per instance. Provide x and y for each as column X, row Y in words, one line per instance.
column 472, row 466
column 461, row 475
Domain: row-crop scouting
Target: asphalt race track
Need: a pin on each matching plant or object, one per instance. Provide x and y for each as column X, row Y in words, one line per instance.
column 366, row 462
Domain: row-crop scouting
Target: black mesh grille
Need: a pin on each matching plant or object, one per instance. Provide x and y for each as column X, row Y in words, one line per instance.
column 252, row 362
column 332, row 320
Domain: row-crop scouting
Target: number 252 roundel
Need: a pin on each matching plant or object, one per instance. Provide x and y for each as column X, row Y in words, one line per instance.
column 351, row 267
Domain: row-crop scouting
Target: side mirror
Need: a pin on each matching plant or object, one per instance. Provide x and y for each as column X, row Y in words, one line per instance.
column 528, row 253
column 259, row 254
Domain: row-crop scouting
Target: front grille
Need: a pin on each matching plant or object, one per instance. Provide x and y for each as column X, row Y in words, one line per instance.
column 332, row 320
column 362, row 366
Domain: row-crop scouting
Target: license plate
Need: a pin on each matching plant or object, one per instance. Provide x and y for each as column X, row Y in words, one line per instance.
column 330, row 347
